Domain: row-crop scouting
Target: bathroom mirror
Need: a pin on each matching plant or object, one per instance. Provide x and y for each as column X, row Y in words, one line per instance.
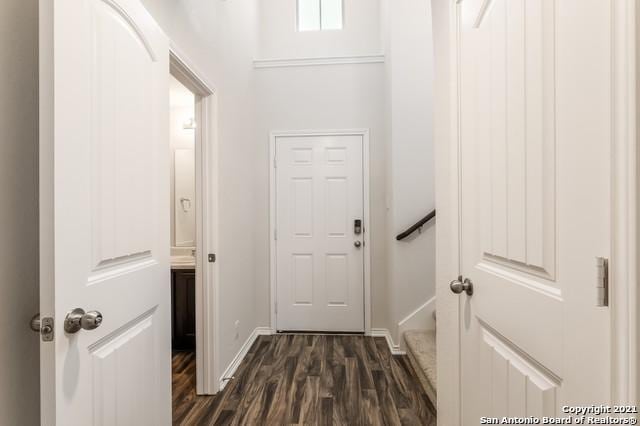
column 184, row 202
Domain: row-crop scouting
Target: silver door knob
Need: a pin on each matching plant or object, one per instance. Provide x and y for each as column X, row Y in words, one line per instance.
column 78, row 319
column 458, row 286
column 358, row 244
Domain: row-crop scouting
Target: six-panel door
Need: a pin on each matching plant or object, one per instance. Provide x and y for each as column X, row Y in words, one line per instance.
column 320, row 268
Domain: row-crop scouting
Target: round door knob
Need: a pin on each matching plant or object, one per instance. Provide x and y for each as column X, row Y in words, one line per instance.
column 458, row 286
column 91, row 320
column 358, row 244
column 78, row 319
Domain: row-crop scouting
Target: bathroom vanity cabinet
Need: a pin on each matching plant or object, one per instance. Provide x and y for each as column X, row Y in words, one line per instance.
column 183, row 308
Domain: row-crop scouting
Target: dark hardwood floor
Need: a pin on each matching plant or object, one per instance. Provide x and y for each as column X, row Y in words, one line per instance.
column 307, row 380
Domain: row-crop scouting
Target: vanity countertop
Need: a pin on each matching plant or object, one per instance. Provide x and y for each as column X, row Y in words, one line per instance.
column 182, row 258
column 177, row 266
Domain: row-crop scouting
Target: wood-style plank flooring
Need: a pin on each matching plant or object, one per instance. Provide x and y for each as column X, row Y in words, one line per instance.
column 307, row 380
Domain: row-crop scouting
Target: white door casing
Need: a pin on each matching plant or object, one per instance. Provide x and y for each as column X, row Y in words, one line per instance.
column 104, row 212
column 206, row 212
column 319, row 271
column 534, row 93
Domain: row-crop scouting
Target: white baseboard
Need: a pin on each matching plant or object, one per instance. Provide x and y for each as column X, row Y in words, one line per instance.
column 420, row 319
column 393, row 347
column 237, row 360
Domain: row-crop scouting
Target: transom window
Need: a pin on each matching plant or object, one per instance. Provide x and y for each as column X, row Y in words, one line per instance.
column 319, row 15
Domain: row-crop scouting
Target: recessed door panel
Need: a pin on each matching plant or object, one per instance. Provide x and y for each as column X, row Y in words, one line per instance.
column 337, row 216
column 302, row 192
column 302, row 279
column 337, row 279
column 121, row 372
column 120, row 136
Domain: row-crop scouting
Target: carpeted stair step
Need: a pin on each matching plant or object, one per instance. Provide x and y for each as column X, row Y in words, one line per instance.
column 421, row 349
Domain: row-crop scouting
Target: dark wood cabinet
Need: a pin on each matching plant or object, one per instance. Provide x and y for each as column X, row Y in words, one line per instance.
column 183, row 307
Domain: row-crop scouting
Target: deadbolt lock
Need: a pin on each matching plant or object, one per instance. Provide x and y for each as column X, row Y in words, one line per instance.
column 357, row 226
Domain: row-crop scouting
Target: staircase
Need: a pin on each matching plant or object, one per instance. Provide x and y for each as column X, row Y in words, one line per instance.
column 421, row 344
column 421, row 350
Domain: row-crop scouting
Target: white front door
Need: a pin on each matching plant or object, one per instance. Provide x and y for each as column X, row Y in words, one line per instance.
column 535, row 136
column 104, row 214
column 319, row 251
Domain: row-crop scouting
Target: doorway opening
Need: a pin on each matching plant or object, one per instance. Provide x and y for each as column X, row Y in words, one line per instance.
column 193, row 165
column 182, row 140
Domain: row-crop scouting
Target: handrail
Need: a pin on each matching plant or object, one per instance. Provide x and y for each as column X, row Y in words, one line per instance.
column 417, row 226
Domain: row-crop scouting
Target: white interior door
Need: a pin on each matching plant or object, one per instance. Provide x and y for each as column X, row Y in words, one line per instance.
column 535, row 136
column 104, row 199
column 320, row 254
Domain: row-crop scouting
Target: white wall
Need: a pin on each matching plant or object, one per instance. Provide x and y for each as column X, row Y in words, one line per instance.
column 409, row 86
column 395, row 100
column 317, row 98
column 219, row 37
column 322, row 97
column 182, row 108
column 19, row 353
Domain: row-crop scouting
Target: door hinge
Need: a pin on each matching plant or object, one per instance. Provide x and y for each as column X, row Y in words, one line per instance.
column 275, row 234
column 44, row 327
column 211, row 257
column 276, row 307
column 602, row 281
column 275, row 163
